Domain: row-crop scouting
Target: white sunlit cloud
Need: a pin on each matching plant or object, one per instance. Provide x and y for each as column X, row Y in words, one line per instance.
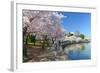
column 59, row 15
column 63, row 29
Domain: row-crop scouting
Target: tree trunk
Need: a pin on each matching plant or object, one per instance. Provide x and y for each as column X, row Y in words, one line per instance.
column 25, row 46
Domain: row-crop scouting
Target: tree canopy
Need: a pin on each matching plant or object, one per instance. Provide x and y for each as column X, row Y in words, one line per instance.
column 43, row 22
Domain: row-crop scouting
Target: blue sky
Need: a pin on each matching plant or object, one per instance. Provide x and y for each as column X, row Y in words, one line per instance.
column 75, row 21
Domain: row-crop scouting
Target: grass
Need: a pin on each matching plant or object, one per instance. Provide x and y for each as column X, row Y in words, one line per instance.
column 38, row 44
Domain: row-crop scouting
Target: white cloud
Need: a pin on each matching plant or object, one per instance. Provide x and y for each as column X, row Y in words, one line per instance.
column 63, row 29
column 59, row 15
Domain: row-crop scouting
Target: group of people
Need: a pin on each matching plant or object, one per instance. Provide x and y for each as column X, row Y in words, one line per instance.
column 57, row 45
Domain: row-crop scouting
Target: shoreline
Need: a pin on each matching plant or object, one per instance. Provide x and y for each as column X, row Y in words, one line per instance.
column 66, row 43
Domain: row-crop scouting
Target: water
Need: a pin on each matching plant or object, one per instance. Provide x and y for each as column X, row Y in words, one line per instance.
column 78, row 51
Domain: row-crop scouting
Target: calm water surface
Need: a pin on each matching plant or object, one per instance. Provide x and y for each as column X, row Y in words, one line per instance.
column 78, row 51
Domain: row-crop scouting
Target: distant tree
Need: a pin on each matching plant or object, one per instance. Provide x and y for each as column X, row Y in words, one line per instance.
column 82, row 36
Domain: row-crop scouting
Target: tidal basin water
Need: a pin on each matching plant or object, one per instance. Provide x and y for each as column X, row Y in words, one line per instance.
column 69, row 53
column 78, row 51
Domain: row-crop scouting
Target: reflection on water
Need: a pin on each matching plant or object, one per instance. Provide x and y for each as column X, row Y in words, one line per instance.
column 78, row 51
column 70, row 52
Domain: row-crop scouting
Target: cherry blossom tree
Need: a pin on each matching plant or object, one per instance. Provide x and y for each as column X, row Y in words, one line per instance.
column 43, row 23
column 46, row 24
